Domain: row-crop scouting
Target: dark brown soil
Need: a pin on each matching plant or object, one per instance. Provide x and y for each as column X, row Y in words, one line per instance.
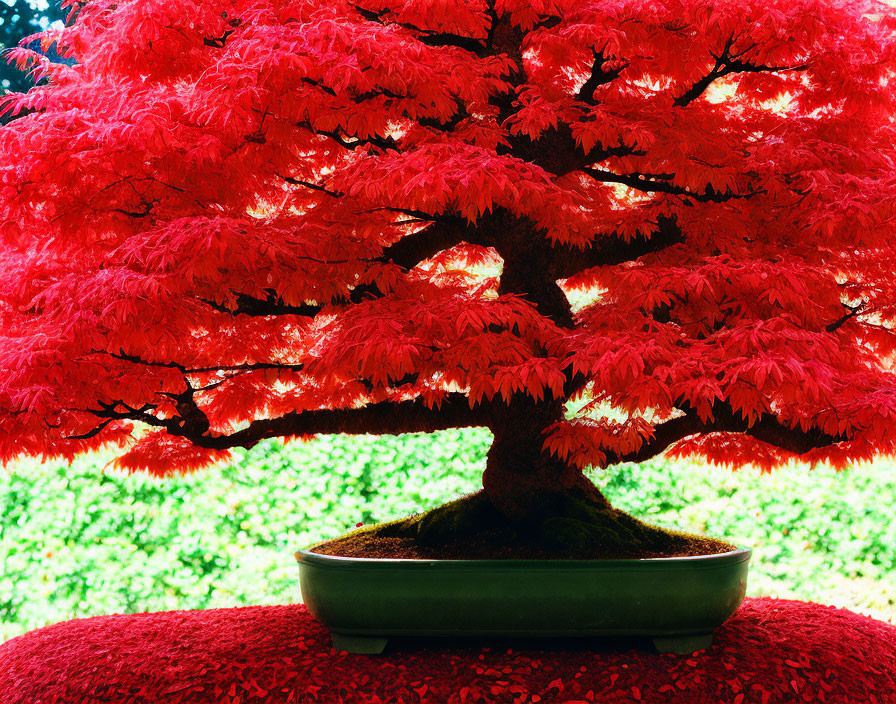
column 469, row 529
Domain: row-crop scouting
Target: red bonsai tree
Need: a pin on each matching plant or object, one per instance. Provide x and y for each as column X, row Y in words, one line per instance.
column 234, row 220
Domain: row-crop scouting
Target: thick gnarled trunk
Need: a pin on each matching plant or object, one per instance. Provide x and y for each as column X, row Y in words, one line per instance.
column 521, row 480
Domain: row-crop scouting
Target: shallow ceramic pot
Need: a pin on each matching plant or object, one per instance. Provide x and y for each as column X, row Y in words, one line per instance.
column 676, row 601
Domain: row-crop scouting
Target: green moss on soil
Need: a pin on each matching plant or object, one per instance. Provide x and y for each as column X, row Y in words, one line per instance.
column 470, row 528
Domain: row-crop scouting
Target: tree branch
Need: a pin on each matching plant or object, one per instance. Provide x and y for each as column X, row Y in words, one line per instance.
column 613, row 250
column 852, row 312
column 350, row 142
column 262, row 307
column 664, row 435
column 448, row 125
column 109, row 410
column 767, row 429
column 312, row 186
column 191, row 421
column 385, row 418
column 219, row 42
column 456, row 40
column 357, row 99
column 147, row 209
column 91, row 433
column 656, row 185
column 726, row 63
column 598, row 77
column 184, row 369
column 419, row 246
column 555, row 150
column 428, row 37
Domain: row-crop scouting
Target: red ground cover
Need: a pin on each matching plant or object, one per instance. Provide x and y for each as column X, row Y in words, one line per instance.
column 770, row 652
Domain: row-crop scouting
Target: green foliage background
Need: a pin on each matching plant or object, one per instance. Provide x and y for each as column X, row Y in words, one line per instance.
column 78, row 541
column 18, row 19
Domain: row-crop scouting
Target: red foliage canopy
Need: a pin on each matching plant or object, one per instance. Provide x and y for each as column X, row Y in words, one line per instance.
column 234, row 220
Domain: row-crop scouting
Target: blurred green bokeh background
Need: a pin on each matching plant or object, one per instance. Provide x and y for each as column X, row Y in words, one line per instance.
column 80, row 541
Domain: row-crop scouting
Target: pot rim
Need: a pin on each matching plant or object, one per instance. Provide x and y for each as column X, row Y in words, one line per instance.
column 306, row 555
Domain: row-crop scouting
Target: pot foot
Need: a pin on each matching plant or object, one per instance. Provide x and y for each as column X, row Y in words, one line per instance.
column 682, row 645
column 360, row 645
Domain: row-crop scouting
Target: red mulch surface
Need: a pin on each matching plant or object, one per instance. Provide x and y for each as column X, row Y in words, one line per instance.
column 770, row 652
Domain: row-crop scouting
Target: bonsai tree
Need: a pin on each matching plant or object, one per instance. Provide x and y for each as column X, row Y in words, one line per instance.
column 603, row 230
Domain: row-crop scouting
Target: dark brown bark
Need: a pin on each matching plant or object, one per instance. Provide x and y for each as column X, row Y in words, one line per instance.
column 529, row 267
column 385, row 418
column 444, row 234
column 521, row 480
column 726, row 63
column 766, row 428
column 612, row 250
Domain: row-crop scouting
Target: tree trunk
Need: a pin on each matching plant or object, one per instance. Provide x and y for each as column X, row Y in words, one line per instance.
column 532, row 506
column 522, row 481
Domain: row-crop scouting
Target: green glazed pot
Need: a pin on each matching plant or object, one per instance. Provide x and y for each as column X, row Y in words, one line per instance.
column 676, row 601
